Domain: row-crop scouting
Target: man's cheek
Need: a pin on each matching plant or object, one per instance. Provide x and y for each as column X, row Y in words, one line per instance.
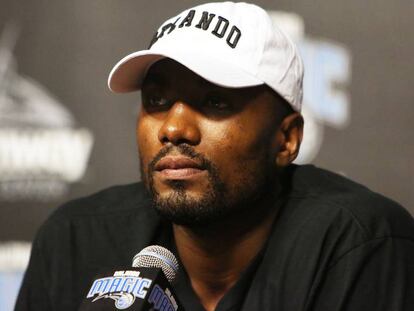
column 145, row 146
column 145, row 158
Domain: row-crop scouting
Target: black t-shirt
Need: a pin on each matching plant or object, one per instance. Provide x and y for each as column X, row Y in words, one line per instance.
column 335, row 245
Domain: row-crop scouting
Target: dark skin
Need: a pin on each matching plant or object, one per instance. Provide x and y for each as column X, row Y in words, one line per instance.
column 246, row 134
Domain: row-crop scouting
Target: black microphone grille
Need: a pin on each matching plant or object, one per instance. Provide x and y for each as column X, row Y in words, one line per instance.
column 156, row 256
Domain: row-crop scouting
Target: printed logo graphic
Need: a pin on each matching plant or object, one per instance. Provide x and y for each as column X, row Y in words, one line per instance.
column 123, row 287
column 327, row 73
column 122, row 300
column 42, row 150
column 162, row 300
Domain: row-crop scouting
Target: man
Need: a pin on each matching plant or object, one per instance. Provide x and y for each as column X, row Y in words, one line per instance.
column 219, row 127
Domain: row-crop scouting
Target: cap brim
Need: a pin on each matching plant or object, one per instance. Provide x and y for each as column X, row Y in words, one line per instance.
column 129, row 73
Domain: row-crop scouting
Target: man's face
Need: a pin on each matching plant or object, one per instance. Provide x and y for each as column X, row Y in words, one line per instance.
column 205, row 151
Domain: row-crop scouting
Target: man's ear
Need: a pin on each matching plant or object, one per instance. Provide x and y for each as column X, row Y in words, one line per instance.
column 289, row 138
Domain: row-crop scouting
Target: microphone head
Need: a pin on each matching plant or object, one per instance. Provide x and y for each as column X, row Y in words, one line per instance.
column 156, row 256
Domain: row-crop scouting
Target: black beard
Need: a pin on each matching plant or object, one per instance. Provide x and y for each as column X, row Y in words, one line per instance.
column 215, row 205
column 181, row 209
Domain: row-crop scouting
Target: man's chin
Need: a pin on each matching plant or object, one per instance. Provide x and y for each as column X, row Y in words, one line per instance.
column 181, row 196
column 177, row 188
column 188, row 209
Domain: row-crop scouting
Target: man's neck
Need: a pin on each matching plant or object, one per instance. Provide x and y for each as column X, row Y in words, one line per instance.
column 216, row 255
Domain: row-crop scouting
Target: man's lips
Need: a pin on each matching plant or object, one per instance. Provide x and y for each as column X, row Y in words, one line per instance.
column 176, row 162
column 178, row 167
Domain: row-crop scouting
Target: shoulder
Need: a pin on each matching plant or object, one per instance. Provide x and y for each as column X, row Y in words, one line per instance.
column 109, row 200
column 332, row 235
column 87, row 235
column 115, row 202
column 373, row 214
column 98, row 222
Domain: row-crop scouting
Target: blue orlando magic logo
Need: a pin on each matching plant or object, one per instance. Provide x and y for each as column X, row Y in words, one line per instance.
column 123, row 287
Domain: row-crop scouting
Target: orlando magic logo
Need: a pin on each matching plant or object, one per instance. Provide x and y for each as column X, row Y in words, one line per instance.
column 123, row 287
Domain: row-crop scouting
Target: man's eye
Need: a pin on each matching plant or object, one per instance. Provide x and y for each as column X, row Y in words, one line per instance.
column 217, row 103
column 156, row 102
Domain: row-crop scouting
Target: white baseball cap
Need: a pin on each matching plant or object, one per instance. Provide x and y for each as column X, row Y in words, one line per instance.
column 229, row 44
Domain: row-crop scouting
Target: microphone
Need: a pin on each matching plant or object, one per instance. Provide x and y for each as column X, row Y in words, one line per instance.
column 156, row 256
column 144, row 287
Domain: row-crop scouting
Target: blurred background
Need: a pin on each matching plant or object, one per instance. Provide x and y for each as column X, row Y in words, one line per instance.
column 63, row 134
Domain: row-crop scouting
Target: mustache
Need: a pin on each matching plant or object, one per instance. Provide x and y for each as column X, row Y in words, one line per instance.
column 185, row 150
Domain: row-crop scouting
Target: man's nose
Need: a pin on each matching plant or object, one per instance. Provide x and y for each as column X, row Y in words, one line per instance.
column 180, row 126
